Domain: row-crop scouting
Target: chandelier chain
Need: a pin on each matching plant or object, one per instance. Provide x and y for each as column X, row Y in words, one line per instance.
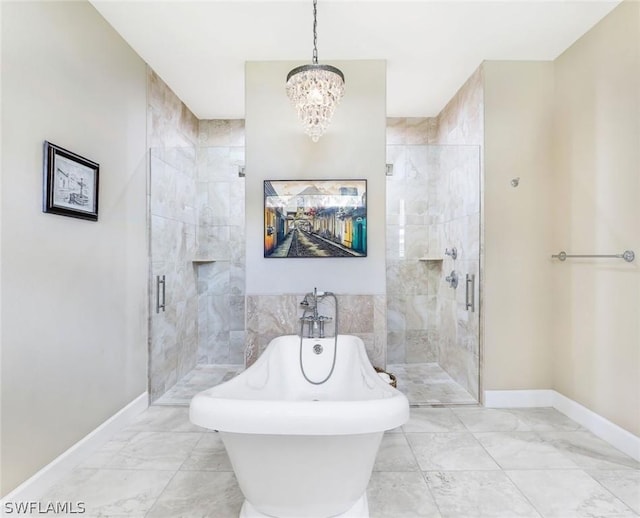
column 315, row 35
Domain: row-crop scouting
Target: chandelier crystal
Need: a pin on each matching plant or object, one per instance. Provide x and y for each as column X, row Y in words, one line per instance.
column 315, row 90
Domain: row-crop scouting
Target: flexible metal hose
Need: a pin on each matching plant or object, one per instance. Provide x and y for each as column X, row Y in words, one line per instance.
column 335, row 342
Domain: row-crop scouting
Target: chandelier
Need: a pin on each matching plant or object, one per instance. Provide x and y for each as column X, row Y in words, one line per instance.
column 315, row 90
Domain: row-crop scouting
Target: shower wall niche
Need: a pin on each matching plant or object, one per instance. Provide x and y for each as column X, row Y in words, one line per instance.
column 433, row 204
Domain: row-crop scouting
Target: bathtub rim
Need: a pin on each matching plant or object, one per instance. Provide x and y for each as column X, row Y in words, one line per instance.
column 212, row 410
column 269, row 417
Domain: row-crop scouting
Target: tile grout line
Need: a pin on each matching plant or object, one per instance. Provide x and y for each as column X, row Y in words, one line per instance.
column 535, row 508
column 422, row 473
column 502, row 469
column 608, row 490
column 155, row 501
column 174, row 474
column 563, row 454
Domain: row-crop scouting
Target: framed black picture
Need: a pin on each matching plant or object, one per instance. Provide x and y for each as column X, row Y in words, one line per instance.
column 70, row 183
column 315, row 218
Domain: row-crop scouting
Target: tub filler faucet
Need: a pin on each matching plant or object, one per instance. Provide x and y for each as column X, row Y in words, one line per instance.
column 315, row 322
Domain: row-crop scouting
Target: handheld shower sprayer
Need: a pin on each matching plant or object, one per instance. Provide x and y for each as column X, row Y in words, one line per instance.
column 315, row 325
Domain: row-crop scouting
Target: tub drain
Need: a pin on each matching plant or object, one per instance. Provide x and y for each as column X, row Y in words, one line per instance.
column 317, row 348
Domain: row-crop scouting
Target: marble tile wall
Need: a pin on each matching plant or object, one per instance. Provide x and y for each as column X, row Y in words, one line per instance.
column 221, row 242
column 461, row 121
column 269, row 316
column 408, row 131
column 173, row 135
column 460, row 132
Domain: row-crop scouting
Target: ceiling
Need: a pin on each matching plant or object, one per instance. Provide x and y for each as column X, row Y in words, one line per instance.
column 199, row 48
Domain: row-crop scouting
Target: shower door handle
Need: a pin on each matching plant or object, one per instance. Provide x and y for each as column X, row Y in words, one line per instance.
column 160, row 289
column 470, row 292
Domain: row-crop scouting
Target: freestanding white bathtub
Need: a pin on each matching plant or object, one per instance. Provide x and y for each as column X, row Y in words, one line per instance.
column 300, row 449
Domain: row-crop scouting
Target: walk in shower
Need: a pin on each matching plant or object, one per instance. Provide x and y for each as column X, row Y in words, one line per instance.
column 433, row 271
column 197, row 281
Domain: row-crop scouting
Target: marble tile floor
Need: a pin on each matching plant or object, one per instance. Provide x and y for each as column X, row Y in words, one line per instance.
column 449, row 462
column 200, row 378
column 427, row 384
column 423, row 383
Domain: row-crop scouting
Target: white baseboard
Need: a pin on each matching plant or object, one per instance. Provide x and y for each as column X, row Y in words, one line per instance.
column 618, row 437
column 518, row 398
column 36, row 486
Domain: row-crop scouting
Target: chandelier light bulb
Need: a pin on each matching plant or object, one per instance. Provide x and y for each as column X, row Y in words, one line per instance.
column 315, row 97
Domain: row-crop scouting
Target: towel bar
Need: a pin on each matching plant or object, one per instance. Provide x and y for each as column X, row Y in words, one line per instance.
column 627, row 255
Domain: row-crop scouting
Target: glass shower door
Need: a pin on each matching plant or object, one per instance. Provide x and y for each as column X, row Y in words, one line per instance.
column 433, row 207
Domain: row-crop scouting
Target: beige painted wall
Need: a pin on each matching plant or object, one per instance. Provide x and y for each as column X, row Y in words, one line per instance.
column 353, row 147
column 596, row 350
column 74, row 299
column 517, row 225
